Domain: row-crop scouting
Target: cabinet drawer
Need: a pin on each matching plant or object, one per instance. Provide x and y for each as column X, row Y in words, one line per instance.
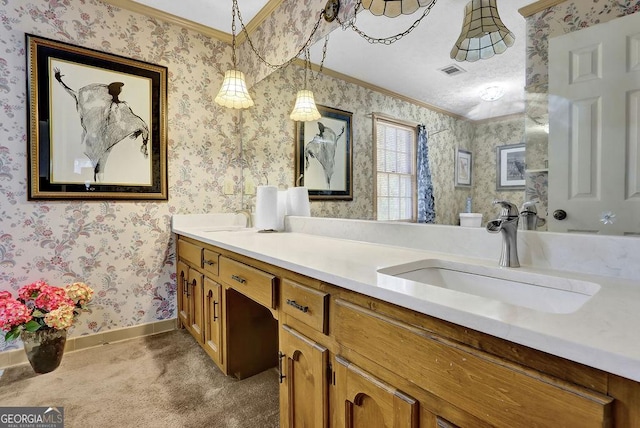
column 253, row 283
column 502, row 393
column 305, row 304
column 211, row 262
column 190, row 252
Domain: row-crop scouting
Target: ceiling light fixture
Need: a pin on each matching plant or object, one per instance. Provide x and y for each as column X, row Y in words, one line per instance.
column 483, row 34
column 389, row 8
column 234, row 93
column 394, row 8
column 492, row 93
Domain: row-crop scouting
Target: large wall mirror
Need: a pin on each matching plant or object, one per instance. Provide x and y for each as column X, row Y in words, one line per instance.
column 447, row 100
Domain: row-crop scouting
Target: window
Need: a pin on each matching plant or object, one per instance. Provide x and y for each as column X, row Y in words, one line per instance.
column 394, row 151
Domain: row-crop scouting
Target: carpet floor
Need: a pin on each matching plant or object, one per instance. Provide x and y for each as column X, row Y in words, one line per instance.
column 165, row 380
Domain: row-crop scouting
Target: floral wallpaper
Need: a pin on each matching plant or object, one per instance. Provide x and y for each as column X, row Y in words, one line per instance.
column 489, row 135
column 280, row 37
column 124, row 250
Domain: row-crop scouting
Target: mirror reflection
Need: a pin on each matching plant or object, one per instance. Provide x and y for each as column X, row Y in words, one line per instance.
column 458, row 121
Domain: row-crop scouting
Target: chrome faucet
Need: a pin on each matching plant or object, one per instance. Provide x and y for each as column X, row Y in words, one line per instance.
column 507, row 223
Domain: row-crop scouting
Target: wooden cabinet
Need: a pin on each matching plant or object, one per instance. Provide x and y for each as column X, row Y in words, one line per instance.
column 369, row 401
column 304, row 381
column 495, row 391
column 190, row 291
column 253, row 283
column 182, row 278
column 305, row 304
column 348, row 360
column 212, row 339
column 194, row 302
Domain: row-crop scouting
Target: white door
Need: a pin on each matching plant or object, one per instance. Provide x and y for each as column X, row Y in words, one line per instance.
column 594, row 128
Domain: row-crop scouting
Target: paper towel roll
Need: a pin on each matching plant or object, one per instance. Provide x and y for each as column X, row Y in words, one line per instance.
column 298, row 202
column 267, row 207
column 282, row 208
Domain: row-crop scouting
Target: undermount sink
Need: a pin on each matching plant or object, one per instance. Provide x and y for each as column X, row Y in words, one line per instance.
column 531, row 290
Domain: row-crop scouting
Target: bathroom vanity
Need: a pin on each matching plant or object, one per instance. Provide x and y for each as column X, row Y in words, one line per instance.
column 356, row 345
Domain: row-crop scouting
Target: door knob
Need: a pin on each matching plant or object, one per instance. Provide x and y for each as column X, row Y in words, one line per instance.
column 559, row 214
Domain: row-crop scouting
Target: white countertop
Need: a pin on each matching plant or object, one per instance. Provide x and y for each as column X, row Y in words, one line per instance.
column 603, row 333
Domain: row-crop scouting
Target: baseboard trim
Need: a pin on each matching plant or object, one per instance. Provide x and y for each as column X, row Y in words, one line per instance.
column 15, row 357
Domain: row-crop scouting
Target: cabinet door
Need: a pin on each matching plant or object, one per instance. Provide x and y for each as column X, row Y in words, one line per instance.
column 183, row 293
column 195, row 303
column 213, row 320
column 370, row 402
column 304, row 383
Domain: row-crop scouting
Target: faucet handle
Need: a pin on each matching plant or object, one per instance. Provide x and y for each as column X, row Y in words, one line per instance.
column 508, row 209
column 529, row 206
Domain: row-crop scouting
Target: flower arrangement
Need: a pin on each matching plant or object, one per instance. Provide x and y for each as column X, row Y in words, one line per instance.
column 42, row 306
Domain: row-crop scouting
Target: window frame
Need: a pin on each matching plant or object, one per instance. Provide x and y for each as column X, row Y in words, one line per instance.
column 380, row 118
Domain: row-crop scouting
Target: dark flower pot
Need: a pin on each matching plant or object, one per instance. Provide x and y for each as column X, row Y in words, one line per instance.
column 44, row 348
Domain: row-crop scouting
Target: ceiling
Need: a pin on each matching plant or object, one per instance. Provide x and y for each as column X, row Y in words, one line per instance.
column 409, row 67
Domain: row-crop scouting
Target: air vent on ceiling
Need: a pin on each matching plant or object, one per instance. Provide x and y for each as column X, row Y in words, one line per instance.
column 452, row 70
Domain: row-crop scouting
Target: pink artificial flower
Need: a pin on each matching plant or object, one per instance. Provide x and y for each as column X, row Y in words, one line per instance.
column 13, row 313
column 51, row 298
column 5, row 295
column 31, row 291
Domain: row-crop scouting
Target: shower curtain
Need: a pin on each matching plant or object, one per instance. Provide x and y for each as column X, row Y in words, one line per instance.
column 426, row 201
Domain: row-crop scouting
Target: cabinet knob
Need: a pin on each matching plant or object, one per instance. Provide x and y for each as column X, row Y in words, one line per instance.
column 209, row 262
column 559, row 214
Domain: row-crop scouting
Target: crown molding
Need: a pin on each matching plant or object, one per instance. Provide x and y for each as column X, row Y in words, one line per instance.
column 349, row 79
column 538, row 6
column 257, row 20
column 252, row 26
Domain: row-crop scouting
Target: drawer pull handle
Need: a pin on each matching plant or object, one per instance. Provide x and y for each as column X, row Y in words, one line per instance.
column 238, row 278
column 210, row 262
column 280, row 375
column 298, row 306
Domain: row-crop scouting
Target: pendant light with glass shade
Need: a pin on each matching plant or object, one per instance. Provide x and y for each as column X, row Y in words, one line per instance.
column 394, row 8
column 305, row 108
column 234, row 93
column 483, row 34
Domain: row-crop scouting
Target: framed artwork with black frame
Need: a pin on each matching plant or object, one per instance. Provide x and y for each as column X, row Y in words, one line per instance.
column 510, row 163
column 463, row 168
column 97, row 124
column 324, row 155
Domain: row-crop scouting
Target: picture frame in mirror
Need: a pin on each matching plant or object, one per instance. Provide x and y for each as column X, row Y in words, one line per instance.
column 510, row 167
column 463, row 171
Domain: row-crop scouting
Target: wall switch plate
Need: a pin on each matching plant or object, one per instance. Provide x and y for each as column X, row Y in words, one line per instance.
column 228, row 187
column 249, row 187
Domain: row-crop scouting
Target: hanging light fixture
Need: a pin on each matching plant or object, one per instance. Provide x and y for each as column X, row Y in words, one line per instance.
column 234, row 93
column 389, row 8
column 394, row 8
column 305, row 108
column 483, row 34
